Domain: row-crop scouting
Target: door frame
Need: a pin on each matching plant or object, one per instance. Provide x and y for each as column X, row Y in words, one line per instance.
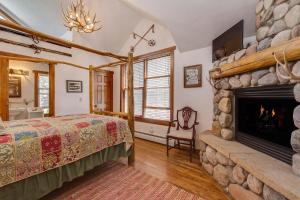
column 4, row 100
column 111, row 86
column 4, row 75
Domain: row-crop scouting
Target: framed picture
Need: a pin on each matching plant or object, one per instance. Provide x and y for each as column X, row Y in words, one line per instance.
column 193, row 76
column 74, row 86
column 14, row 87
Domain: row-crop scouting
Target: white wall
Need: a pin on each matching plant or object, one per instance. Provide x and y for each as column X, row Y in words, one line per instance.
column 162, row 36
column 66, row 103
column 27, row 82
column 199, row 99
column 71, row 103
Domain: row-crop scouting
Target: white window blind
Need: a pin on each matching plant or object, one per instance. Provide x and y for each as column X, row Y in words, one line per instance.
column 158, row 88
column 152, row 83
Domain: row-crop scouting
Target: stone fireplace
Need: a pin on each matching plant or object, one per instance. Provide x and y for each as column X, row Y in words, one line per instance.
column 264, row 119
column 253, row 149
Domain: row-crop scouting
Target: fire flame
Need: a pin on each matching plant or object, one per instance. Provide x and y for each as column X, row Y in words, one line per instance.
column 273, row 112
column 262, row 110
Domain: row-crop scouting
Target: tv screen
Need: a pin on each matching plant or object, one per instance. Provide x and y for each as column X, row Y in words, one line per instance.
column 229, row 42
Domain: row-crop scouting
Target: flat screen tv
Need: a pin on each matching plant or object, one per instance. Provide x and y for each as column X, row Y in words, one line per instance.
column 229, row 42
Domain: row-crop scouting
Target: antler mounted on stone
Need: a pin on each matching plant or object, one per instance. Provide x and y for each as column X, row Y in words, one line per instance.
column 212, row 82
column 290, row 75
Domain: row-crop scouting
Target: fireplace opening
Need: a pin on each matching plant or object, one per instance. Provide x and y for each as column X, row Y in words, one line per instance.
column 264, row 119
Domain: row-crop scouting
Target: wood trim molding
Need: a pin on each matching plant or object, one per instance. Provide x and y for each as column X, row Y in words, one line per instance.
column 36, row 90
column 154, row 54
column 172, row 86
column 40, row 72
column 165, row 52
column 36, row 86
column 14, row 56
column 51, row 90
column 162, row 52
column 259, row 60
column 113, row 64
column 4, row 64
column 91, row 88
column 152, row 121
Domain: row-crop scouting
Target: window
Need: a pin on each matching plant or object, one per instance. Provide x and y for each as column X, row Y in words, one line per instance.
column 153, row 88
column 42, row 91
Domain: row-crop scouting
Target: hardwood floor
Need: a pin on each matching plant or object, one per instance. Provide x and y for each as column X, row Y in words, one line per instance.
column 151, row 158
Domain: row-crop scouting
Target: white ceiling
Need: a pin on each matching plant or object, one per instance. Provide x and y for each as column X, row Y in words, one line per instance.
column 41, row 15
column 117, row 20
column 193, row 23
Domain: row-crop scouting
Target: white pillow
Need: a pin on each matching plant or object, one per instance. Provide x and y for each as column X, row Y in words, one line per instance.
column 2, row 125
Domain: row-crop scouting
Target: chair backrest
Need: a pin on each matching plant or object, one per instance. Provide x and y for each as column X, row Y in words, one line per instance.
column 186, row 117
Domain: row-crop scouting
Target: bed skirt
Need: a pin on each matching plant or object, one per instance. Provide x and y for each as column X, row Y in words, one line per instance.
column 40, row 185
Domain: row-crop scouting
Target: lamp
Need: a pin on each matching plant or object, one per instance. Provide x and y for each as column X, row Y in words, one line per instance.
column 77, row 18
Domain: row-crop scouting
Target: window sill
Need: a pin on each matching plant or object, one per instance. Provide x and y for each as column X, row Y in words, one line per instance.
column 152, row 121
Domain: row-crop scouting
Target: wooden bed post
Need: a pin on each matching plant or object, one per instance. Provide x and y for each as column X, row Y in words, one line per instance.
column 131, row 158
column 91, row 88
column 4, row 113
column 51, row 89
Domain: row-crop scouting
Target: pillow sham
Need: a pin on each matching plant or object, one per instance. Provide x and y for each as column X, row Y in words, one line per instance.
column 2, row 126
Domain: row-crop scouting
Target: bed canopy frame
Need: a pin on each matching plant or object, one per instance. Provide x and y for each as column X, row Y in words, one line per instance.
column 54, row 40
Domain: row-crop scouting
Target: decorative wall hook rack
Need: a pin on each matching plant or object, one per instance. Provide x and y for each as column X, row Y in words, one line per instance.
column 37, row 49
column 151, row 42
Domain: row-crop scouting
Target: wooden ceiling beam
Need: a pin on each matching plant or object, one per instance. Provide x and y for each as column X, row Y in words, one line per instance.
column 13, row 56
column 6, row 23
column 114, row 64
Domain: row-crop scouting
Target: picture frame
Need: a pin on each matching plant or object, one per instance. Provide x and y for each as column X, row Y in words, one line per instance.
column 192, row 76
column 14, row 87
column 74, row 86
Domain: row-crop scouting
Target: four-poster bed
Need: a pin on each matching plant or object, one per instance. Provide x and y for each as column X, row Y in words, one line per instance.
column 80, row 124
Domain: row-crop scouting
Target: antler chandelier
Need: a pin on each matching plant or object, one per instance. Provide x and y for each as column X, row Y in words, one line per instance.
column 77, row 18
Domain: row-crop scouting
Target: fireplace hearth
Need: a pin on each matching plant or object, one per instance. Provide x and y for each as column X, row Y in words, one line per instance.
column 264, row 119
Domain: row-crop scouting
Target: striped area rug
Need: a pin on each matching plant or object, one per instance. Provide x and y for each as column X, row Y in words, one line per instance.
column 116, row 181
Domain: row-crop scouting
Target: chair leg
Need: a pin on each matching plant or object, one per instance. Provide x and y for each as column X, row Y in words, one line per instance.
column 178, row 144
column 194, row 146
column 167, row 147
column 191, row 150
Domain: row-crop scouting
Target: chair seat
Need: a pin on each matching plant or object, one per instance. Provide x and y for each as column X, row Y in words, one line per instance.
column 181, row 134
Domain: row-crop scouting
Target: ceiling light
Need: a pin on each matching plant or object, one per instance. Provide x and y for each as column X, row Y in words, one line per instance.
column 78, row 19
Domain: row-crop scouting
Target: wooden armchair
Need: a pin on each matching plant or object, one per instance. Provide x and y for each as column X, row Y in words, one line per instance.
column 185, row 130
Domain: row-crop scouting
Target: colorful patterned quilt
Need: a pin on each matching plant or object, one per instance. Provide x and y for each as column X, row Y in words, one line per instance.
column 33, row 146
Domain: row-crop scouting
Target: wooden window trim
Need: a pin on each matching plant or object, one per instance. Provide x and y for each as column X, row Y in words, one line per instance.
column 145, row 58
column 155, row 54
column 152, row 121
